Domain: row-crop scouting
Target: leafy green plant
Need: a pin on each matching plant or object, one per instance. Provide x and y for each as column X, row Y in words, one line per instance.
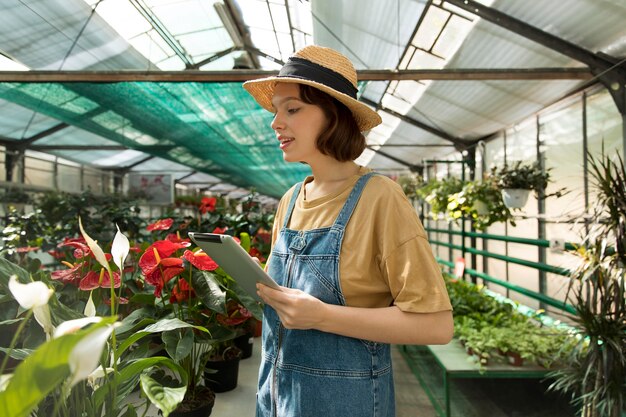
column 520, row 175
column 481, row 202
column 596, row 373
column 437, row 192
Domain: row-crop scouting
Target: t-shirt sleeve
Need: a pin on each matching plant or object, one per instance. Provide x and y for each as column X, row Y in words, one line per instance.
column 413, row 275
column 415, row 279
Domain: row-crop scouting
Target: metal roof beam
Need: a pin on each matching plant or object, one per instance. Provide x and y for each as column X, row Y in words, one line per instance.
column 412, row 167
column 530, row 32
column 609, row 70
column 459, row 144
column 467, row 74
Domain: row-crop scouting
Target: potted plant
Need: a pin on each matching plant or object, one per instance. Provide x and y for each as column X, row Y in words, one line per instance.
column 596, row 367
column 516, row 182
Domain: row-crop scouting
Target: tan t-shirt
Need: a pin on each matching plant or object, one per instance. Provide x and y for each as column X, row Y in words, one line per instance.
column 385, row 257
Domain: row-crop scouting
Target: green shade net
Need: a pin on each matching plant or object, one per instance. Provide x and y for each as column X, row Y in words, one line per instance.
column 215, row 128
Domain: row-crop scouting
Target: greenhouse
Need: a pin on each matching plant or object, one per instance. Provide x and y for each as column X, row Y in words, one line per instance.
column 467, row 174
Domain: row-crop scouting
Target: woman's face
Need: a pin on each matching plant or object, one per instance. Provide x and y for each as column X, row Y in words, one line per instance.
column 297, row 124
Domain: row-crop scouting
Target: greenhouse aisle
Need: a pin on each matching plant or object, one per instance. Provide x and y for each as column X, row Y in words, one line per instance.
column 411, row 400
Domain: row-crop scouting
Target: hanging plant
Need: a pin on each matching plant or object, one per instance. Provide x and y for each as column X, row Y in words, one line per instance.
column 437, row 192
column 480, row 202
column 517, row 181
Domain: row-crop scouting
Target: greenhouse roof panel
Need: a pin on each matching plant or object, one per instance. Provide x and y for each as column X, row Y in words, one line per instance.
column 218, row 128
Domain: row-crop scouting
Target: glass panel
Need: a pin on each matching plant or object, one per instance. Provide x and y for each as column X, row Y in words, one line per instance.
column 452, row 36
column 561, row 140
column 430, row 28
column 68, row 178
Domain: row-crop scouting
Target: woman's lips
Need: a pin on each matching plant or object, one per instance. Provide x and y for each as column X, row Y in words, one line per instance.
column 284, row 142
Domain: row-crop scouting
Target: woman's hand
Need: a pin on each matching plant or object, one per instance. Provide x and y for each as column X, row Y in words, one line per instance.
column 296, row 309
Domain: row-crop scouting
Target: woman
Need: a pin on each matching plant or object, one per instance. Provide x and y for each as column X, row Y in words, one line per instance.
column 349, row 251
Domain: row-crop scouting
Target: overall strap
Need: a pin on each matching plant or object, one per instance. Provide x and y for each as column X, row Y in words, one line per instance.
column 292, row 204
column 353, row 199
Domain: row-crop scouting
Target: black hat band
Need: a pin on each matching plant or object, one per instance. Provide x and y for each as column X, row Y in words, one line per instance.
column 310, row 71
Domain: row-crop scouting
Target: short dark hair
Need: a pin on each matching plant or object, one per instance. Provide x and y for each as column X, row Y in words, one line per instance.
column 342, row 139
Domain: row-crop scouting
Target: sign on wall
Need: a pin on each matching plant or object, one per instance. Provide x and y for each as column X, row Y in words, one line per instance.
column 154, row 188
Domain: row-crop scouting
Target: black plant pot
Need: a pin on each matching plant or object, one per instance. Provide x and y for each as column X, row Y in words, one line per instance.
column 200, row 406
column 222, row 375
column 245, row 343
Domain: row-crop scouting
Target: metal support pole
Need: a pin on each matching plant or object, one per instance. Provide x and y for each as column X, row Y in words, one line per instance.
column 541, row 225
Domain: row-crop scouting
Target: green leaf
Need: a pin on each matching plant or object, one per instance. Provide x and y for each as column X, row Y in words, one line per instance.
column 164, row 398
column 8, row 268
column 209, row 291
column 40, row 373
column 164, row 325
column 19, row 354
column 8, row 322
column 178, row 346
column 140, row 367
column 246, row 300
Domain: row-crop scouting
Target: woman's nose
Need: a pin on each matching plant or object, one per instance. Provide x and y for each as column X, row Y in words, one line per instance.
column 277, row 122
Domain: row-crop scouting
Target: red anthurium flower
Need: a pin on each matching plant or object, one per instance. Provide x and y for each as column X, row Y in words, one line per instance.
column 25, row 249
column 68, row 276
column 79, row 244
column 163, row 272
column 120, row 300
column 175, row 237
column 56, row 254
column 160, row 248
column 265, row 237
column 207, row 204
column 158, row 267
column 161, row 224
column 237, row 314
column 220, row 230
column 181, row 292
column 256, row 253
column 91, row 281
column 200, row 260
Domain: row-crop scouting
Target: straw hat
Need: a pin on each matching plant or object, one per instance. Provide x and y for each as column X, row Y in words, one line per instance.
column 324, row 69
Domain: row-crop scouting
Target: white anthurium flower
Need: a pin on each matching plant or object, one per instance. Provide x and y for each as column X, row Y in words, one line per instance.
column 33, row 294
column 42, row 315
column 93, row 245
column 72, row 326
column 120, row 249
column 4, row 381
column 97, row 374
column 85, row 356
column 90, row 308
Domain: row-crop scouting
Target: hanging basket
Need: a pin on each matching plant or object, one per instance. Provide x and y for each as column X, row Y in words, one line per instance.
column 515, row 197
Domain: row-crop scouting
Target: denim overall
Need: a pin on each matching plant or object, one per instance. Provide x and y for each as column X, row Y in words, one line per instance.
column 308, row 373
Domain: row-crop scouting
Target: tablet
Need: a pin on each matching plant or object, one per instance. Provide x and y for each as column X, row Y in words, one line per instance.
column 234, row 260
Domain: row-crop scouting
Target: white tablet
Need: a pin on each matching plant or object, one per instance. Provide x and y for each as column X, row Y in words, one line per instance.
column 234, row 260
